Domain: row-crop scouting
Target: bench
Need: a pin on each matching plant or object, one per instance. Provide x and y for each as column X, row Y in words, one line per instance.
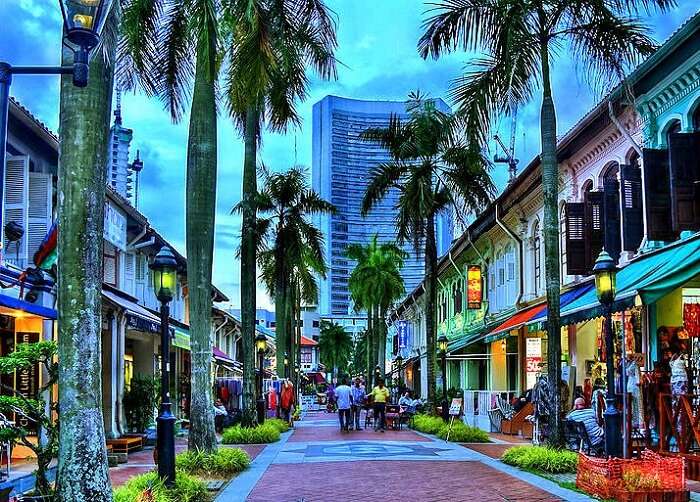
column 126, row 444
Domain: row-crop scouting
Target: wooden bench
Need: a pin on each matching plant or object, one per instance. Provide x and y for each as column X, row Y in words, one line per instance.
column 126, row 444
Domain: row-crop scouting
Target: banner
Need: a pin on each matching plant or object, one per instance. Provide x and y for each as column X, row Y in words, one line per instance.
column 474, row 293
column 403, row 334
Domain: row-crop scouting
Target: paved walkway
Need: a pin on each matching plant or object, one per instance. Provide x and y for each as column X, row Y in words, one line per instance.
column 316, row 462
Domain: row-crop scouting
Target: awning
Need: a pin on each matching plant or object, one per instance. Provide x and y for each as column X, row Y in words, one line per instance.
column 31, row 308
column 222, row 359
column 566, row 299
column 648, row 277
column 516, row 321
column 307, row 342
column 138, row 318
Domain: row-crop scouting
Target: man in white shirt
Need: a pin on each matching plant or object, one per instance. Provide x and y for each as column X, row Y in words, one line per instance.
column 343, row 398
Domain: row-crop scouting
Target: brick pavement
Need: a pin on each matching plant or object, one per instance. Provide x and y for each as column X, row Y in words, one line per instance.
column 493, row 450
column 433, row 481
column 334, row 434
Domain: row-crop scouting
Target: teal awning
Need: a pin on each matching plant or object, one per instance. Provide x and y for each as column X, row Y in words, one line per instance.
column 649, row 277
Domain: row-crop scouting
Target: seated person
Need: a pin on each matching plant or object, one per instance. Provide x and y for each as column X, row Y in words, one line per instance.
column 586, row 416
column 406, row 403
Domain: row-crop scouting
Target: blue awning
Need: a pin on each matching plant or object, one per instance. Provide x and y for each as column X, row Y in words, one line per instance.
column 30, row 308
column 566, row 299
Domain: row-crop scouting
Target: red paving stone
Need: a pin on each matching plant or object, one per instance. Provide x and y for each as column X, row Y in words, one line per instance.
column 142, row 461
column 410, row 481
column 493, row 450
column 334, row 434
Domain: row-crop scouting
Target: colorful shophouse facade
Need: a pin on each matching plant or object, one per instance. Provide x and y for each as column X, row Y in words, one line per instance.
column 629, row 184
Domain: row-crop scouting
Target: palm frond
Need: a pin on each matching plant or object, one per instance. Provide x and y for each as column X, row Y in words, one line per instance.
column 138, row 44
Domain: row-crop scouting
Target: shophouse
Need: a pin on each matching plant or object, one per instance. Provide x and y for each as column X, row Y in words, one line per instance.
column 629, row 183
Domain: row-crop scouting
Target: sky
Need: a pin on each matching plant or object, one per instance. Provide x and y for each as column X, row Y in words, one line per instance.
column 379, row 60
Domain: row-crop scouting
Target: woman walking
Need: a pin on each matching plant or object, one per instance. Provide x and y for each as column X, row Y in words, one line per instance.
column 379, row 394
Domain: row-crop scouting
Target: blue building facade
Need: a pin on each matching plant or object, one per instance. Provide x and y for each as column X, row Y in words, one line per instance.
column 342, row 165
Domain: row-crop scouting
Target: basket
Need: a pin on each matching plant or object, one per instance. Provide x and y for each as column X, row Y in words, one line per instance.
column 651, row 478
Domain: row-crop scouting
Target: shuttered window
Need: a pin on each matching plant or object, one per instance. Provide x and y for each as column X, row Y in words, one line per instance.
column 111, row 269
column 611, row 213
column 632, row 218
column 684, row 158
column 129, row 273
column 16, row 195
column 575, row 242
column 657, row 192
column 594, row 233
column 39, row 211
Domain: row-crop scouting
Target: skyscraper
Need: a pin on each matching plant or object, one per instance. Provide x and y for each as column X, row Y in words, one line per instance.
column 121, row 172
column 342, row 165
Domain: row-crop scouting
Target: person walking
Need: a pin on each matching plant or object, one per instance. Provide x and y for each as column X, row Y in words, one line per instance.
column 358, row 400
column 380, row 394
column 287, row 401
column 343, row 398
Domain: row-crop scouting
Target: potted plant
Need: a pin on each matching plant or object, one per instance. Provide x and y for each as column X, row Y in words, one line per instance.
column 33, row 414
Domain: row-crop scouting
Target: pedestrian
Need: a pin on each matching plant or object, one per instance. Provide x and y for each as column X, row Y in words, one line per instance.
column 287, row 401
column 380, row 394
column 358, row 400
column 343, row 398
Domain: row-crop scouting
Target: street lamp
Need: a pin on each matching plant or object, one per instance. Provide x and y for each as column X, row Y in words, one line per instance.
column 399, row 363
column 286, row 365
column 605, row 271
column 83, row 21
column 377, row 374
column 442, row 348
column 261, row 346
column 164, row 274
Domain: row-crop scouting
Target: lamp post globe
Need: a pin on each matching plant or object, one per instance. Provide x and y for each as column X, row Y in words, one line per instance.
column 261, row 347
column 164, row 275
column 83, row 21
column 605, row 272
column 442, row 349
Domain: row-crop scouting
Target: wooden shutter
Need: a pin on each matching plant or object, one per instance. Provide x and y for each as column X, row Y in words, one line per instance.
column 575, row 239
column 16, row 194
column 111, row 269
column 594, row 234
column 657, row 190
column 39, row 210
column 632, row 218
column 684, row 158
column 611, row 212
column 129, row 273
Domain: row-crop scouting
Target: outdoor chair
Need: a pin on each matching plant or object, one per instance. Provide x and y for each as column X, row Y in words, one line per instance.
column 393, row 416
column 577, row 439
column 505, row 407
column 515, row 424
column 496, row 418
column 369, row 416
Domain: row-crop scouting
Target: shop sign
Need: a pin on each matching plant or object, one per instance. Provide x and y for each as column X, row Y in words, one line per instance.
column 137, row 323
column 27, row 384
column 533, row 360
column 474, row 293
column 115, row 226
column 403, row 334
column 456, row 406
column 181, row 340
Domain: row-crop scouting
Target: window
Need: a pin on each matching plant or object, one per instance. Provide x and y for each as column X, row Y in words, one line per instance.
column 315, row 324
column 562, row 241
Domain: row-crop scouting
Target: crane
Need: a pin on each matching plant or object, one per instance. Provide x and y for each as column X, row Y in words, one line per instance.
column 508, row 156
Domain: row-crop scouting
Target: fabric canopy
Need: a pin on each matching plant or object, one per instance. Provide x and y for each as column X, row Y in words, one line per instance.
column 566, row 299
column 649, row 278
column 307, row 342
column 31, row 308
column 519, row 319
column 133, row 308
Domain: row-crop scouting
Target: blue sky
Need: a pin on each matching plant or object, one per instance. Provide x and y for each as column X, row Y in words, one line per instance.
column 377, row 46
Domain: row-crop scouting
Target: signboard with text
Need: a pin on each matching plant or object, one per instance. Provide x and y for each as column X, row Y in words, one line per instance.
column 403, row 334
column 533, row 360
column 474, row 293
column 456, row 406
column 115, row 226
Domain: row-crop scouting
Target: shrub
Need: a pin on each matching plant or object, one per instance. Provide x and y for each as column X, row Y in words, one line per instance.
column 140, row 402
column 149, row 487
column 428, row 423
column 280, row 424
column 222, row 463
column 265, row 433
column 539, row 458
column 463, row 433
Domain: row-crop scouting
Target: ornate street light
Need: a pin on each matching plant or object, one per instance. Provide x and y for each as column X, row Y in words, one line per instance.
column 442, row 349
column 261, row 347
column 286, row 365
column 605, row 272
column 399, row 362
column 164, row 274
column 83, row 21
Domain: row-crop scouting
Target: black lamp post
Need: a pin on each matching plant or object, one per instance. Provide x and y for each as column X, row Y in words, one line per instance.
column 605, row 271
column 261, row 346
column 83, row 21
column 377, row 374
column 399, row 364
column 164, row 268
column 286, row 365
column 442, row 348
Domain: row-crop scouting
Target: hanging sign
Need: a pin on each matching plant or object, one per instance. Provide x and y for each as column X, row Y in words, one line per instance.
column 403, row 334
column 115, row 226
column 474, row 294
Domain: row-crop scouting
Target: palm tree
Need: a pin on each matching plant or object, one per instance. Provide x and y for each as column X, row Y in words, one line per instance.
column 334, row 346
column 84, row 130
column 269, row 45
column 433, row 167
column 375, row 284
column 166, row 45
column 295, row 253
column 521, row 38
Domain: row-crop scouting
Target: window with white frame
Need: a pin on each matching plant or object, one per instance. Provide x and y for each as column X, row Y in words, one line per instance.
column 562, row 241
column 536, row 258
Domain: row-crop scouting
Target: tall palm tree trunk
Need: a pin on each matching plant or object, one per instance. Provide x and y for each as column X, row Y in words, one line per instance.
column 248, row 266
column 281, row 308
column 369, row 345
column 431, row 300
column 84, row 130
column 550, row 186
column 201, row 208
column 382, row 340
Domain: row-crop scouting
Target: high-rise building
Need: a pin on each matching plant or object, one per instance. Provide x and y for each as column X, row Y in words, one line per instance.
column 342, row 165
column 122, row 175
